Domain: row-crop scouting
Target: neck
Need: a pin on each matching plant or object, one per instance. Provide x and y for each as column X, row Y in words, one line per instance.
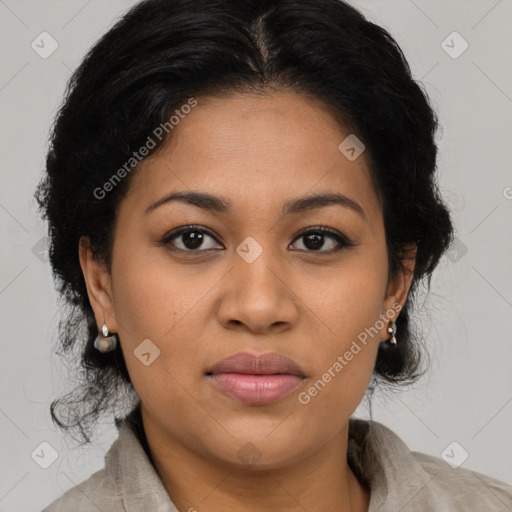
column 323, row 482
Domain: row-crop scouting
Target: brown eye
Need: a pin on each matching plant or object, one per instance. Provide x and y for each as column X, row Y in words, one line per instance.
column 190, row 239
column 316, row 239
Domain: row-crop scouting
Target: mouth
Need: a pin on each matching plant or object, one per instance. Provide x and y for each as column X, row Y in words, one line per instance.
column 256, row 380
column 264, row 364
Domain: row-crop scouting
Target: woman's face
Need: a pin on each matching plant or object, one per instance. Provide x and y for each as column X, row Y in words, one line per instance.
column 245, row 280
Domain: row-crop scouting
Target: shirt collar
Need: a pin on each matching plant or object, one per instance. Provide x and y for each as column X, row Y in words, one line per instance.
column 140, row 484
column 375, row 453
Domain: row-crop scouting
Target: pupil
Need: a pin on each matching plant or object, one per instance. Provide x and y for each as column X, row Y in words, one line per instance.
column 194, row 238
column 316, row 239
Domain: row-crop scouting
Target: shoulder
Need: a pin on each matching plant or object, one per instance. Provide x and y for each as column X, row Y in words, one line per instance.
column 98, row 492
column 128, row 481
column 102, row 490
column 401, row 479
column 464, row 487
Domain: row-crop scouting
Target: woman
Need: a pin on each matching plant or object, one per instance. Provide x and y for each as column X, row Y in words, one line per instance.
column 242, row 201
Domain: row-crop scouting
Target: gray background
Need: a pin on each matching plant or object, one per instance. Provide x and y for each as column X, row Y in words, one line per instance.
column 467, row 319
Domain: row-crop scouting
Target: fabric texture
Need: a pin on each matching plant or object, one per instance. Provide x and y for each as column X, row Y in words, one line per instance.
column 400, row 480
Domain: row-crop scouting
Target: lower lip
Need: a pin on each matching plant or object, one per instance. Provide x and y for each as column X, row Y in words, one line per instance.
column 256, row 389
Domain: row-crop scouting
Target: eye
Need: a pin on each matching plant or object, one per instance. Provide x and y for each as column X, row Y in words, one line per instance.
column 195, row 239
column 315, row 239
column 190, row 239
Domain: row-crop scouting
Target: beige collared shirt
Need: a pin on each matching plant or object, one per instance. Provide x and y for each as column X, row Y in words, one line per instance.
column 400, row 480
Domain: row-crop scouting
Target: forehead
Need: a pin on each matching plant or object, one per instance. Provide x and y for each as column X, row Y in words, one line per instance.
column 256, row 149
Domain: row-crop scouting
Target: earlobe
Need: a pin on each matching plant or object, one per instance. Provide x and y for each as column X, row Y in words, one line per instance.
column 97, row 281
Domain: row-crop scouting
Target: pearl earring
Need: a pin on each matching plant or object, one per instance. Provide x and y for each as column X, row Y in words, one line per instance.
column 107, row 343
column 392, row 331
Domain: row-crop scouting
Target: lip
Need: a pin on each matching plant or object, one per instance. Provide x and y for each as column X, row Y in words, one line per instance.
column 256, row 379
column 253, row 364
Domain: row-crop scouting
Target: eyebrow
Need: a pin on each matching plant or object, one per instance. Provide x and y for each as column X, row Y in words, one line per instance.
column 218, row 204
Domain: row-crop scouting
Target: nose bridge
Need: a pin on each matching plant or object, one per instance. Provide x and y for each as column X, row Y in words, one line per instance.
column 256, row 266
column 257, row 296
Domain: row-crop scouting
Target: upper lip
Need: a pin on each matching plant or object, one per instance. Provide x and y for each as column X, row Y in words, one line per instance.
column 251, row 364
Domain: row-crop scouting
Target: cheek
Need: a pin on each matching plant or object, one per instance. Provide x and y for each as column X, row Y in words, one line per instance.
column 164, row 303
column 332, row 396
column 154, row 296
column 348, row 309
column 156, row 305
column 345, row 352
column 349, row 298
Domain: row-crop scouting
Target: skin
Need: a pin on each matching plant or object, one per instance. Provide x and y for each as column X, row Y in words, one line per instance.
column 257, row 152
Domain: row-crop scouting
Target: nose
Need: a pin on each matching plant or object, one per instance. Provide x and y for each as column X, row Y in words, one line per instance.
column 257, row 297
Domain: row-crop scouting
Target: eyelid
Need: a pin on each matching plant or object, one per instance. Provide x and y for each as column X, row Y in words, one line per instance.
column 175, row 233
column 325, row 231
column 343, row 240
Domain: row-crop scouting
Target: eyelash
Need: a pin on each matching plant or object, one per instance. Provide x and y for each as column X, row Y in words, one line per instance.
column 342, row 240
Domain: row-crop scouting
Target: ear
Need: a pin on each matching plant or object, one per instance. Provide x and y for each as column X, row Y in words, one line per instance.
column 98, row 283
column 398, row 288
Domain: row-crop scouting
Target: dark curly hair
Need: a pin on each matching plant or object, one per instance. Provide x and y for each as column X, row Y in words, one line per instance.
column 163, row 52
